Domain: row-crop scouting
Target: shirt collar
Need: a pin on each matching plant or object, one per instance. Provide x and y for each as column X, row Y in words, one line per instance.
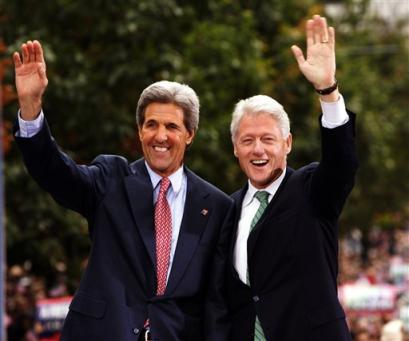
column 175, row 178
column 271, row 189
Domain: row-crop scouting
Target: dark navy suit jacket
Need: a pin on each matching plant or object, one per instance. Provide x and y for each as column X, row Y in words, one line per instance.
column 292, row 251
column 117, row 291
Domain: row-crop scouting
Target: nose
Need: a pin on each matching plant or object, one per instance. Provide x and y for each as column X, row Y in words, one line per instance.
column 161, row 134
column 258, row 148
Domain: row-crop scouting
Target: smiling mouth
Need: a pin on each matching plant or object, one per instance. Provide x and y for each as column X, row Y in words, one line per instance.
column 259, row 163
column 160, row 149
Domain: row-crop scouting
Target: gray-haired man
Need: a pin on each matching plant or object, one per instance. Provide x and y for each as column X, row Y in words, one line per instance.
column 282, row 281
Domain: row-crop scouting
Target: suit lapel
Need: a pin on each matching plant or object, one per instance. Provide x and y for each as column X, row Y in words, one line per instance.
column 140, row 195
column 195, row 217
column 238, row 201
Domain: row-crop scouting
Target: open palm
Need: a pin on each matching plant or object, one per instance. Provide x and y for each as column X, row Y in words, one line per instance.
column 30, row 72
column 319, row 65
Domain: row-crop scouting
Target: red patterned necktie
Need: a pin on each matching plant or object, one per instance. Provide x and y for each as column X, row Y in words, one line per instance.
column 163, row 236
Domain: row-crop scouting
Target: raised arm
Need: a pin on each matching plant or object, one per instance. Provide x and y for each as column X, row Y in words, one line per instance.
column 73, row 186
column 319, row 64
column 333, row 179
column 31, row 78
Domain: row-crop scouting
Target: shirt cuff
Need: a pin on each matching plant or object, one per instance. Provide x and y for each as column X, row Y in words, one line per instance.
column 334, row 114
column 29, row 128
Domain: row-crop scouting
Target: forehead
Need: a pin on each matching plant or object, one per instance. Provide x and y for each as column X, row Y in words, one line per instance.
column 164, row 112
column 258, row 124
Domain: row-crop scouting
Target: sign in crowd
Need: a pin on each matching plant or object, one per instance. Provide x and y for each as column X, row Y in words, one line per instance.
column 358, row 298
column 50, row 317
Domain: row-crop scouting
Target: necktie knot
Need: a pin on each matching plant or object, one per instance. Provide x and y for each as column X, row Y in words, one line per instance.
column 262, row 196
column 164, row 186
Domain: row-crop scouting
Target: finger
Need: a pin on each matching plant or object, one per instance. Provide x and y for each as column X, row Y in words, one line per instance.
column 317, row 29
column 309, row 32
column 38, row 50
column 24, row 52
column 17, row 60
column 299, row 56
column 331, row 35
column 324, row 30
column 31, row 56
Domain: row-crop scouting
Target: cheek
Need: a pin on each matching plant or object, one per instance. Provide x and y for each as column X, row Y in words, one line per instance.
column 243, row 161
column 240, row 157
column 242, row 152
column 144, row 141
column 144, row 136
column 178, row 144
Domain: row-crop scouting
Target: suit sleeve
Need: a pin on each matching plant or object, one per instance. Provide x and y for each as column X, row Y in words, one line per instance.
column 217, row 320
column 73, row 186
column 334, row 177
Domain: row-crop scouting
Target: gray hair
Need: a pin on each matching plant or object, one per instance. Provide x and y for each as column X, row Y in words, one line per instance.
column 256, row 105
column 171, row 92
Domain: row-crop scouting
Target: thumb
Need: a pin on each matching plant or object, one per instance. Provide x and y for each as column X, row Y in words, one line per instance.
column 42, row 73
column 299, row 56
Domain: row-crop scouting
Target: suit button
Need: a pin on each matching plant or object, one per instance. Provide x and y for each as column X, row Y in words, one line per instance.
column 256, row 298
column 136, row 331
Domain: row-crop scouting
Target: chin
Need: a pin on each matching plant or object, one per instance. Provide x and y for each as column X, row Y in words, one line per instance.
column 259, row 184
column 158, row 168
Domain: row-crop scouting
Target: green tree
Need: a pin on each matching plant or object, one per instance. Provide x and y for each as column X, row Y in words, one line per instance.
column 101, row 54
column 374, row 73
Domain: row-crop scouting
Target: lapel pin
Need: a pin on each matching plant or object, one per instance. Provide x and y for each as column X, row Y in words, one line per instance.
column 204, row 212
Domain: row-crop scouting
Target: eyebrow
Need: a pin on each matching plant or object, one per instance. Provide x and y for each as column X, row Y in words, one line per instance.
column 257, row 135
column 150, row 120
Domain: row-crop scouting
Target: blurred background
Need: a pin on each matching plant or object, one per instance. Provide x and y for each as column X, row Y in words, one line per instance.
column 101, row 54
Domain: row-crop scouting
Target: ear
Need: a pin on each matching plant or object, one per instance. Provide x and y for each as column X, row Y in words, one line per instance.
column 235, row 150
column 190, row 136
column 139, row 132
column 289, row 143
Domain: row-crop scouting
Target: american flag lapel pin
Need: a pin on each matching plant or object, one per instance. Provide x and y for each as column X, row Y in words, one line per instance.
column 204, row 212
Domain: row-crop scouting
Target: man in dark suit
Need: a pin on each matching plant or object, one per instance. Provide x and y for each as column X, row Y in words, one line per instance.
column 282, row 278
column 159, row 233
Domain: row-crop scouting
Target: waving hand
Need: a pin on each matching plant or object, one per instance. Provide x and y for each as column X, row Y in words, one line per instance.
column 31, row 78
column 319, row 64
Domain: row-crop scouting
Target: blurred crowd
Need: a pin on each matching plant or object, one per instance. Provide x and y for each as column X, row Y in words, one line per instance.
column 379, row 261
column 24, row 292
column 377, row 265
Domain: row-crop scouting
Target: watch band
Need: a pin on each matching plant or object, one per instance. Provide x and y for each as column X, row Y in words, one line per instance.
column 328, row 90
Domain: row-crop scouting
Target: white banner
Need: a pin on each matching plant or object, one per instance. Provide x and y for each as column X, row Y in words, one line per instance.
column 367, row 298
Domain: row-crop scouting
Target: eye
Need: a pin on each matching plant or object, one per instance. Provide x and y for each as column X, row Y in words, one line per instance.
column 246, row 141
column 172, row 126
column 268, row 139
column 150, row 124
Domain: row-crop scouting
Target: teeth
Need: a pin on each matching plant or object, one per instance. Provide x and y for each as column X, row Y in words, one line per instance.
column 259, row 162
column 160, row 149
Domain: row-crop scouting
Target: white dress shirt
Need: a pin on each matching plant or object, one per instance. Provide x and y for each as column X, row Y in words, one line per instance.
column 333, row 115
